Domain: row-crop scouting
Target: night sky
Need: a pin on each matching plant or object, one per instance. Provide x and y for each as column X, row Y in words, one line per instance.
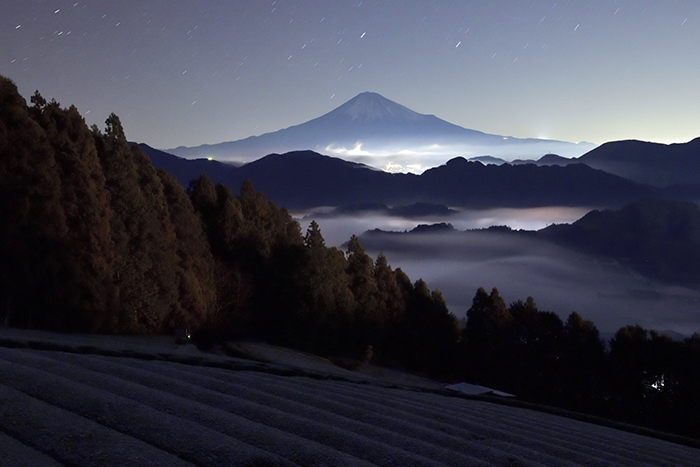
column 193, row 72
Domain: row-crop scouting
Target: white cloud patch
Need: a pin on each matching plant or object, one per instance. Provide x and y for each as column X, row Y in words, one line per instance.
column 343, row 151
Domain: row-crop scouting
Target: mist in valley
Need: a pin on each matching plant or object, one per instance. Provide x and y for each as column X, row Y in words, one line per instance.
column 519, row 265
column 337, row 229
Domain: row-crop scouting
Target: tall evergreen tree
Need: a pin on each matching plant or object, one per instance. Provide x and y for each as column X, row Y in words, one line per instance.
column 583, row 355
column 488, row 335
column 428, row 333
column 390, row 299
column 362, row 282
column 195, row 303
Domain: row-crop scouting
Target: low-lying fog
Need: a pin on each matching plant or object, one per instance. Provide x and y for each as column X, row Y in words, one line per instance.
column 337, row 230
column 559, row 279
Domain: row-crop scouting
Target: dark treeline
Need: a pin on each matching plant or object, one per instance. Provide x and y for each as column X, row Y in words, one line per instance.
column 641, row 377
column 94, row 239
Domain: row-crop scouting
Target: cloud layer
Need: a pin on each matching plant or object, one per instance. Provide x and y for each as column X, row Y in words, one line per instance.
column 559, row 279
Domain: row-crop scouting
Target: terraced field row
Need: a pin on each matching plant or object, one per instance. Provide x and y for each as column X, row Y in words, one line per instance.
column 62, row 408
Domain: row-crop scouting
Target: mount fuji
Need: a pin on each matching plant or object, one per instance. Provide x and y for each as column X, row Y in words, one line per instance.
column 374, row 130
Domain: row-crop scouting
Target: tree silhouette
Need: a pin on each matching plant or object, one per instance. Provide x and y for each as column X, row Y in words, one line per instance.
column 363, row 286
column 488, row 336
column 582, row 363
column 390, row 299
column 196, row 301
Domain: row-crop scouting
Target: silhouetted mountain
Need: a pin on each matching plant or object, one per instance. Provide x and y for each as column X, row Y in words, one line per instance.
column 675, row 167
column 441, row 227
column 186, row 170
column 464, row 183
column 662, row 165
column 652, row 163
column 372, row 124
column 488, row 160
column 381, row 240
column 305, row 179
column 547, row 159
column 660, row 239
column 551, row 159
column 359, row 208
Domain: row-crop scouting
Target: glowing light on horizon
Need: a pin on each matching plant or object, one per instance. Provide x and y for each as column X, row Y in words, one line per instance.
column 393, row 168
column 415, row 168
column 355, row 151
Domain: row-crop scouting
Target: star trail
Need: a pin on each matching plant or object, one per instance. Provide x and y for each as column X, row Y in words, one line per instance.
column 188, row 73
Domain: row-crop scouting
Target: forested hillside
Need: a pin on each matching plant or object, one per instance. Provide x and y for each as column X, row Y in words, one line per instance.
column 658, row 238
column 94, row 239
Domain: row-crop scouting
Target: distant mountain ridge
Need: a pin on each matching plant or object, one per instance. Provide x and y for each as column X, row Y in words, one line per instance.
column 370, row 127
column 305, row 179
column 661, row 165
column 660, row 239
column 187, row 169
column 652, row 163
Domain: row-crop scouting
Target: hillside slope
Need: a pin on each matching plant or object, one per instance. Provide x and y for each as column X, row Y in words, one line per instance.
column 658, row 238
column 645, row 162
column 78, row 408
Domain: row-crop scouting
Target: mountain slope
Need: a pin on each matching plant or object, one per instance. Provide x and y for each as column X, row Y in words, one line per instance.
column 660, row 239
column 305, row 179
column 185, row 170
column 169, row 406
column 655, row 164
column 372, row 127
column 652, row 163
column 371, row 114
column 464, row 183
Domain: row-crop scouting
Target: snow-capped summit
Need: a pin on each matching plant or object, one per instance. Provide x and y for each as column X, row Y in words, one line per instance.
column 370, row 106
